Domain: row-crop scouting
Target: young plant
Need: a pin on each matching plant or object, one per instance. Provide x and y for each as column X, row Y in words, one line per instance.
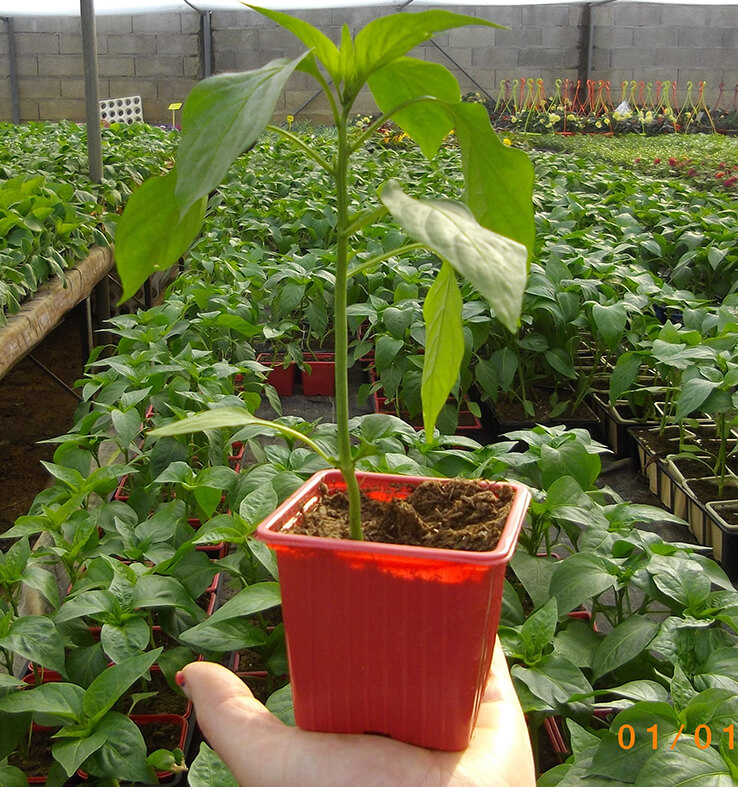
column 487, row 240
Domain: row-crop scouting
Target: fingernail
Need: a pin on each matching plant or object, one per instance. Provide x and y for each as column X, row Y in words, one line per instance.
column 179, row 679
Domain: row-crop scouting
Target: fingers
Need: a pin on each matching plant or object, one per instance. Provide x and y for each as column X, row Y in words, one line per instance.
column 229, row 716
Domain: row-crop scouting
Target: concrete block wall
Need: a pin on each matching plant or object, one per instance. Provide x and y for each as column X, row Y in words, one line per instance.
column 157, row 56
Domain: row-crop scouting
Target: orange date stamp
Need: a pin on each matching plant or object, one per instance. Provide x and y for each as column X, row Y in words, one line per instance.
column 702, row 736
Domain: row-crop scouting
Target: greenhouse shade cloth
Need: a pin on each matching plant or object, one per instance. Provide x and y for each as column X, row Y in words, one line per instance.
column 12, row 8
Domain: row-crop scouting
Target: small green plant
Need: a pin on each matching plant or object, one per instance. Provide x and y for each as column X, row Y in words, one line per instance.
column 487, row 240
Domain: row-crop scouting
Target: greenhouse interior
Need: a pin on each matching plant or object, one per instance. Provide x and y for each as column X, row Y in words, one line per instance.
column 322, row 322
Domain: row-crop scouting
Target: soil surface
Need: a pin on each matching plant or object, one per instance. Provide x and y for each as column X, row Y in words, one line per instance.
column 32, row 408
column 454, row 515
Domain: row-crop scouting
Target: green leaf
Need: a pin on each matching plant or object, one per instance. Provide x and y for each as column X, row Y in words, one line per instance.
column 686, row 584
column 257, row 505
column 217, row 418
column 685, row 766
column 387, row 349
column 624, row 374
column 252, row 599
column 123, row 755
column 534, row 574
column 538, row 630
column 120, row 642
column 498, row 179
column 224, row 635
column 613, row 760
column 609, row 322
column 495, row 265
column 578, row 578
column 389, row 37
column 280, row 703
column 624, row 643
column 223, row 116
column 571, row 458
column 152, row 234
column 208, row 770
column 70, row 753
column 323, row 48
column 113, row 682
column 553, row 679
column 694, row 393
column 50, row 703
column 12, row 777
column 428, row 123
column 36, row 638
column 444, row 345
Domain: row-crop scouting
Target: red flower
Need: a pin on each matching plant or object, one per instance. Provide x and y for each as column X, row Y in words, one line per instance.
column 673, row 162
column 692, row 172
column 637, row 160
column 657, row 161
column 720, row 174
column 730, row 181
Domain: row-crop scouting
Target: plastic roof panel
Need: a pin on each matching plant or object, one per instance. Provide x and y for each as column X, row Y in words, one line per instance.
column 126, row 7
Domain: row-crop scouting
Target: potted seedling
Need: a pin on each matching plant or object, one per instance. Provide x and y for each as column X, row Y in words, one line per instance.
column 404, row 648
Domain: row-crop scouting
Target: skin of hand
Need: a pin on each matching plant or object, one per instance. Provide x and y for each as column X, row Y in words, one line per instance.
column 261, row 751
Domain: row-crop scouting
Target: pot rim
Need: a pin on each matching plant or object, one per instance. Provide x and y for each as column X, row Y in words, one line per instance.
column 270, row 531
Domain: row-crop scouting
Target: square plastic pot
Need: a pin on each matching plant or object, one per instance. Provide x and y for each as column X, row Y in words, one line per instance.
column 385, row 638
column 281, row 377
column 320, row 378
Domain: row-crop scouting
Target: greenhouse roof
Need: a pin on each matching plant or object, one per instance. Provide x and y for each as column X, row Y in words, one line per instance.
column 11, row 8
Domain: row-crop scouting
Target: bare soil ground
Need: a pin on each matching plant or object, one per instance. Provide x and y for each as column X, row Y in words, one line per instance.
column 32, row 408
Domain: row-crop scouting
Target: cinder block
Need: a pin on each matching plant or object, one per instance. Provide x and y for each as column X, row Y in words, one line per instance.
column 172, row 90
column 508, row 16
column 71, row 44
column 601, row 58
column 73, row 88
column 565, row 37
column 614, row 37
column 62, row 109
column 355, row 18
column 539, row 58
column 473, row 36
column 139, row 44
column 46, row 24
column 118, row 88
column 157, row 23
column 546, row 15
column 631, row 58
column 280, row 40
column 190, row 23
column 28, row 110
column 116, row 66
column 320, row 18
column 146, row 66
column 37, row 43
column 224, row 40
column 663, row 37
column 446, row 56
column 693, row 16
column 248, row 60
column 637, row 15
column 495, row 57
column 222, row 19
column 192, row 67
column 730, row 39
column 114, row 25
column 225, row 62
column 700, row 37
column 43, row 87
column 63, row 65
column 185, row 45
column 711, row 58
column 27, row 65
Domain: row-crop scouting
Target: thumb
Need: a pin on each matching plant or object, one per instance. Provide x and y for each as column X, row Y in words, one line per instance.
column 235, row 724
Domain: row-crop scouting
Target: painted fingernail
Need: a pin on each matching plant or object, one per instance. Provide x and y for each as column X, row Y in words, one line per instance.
column 179, row 679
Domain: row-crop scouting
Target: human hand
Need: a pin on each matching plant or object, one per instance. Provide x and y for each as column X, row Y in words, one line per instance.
column 261, row 751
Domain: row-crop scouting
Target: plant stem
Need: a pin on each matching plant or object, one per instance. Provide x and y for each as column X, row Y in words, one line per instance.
column 345, row 459
column 306, row 149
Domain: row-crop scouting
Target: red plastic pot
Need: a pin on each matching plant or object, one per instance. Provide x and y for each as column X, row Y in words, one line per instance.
column 281, row 377
column 383, row 638
column 320, row 380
